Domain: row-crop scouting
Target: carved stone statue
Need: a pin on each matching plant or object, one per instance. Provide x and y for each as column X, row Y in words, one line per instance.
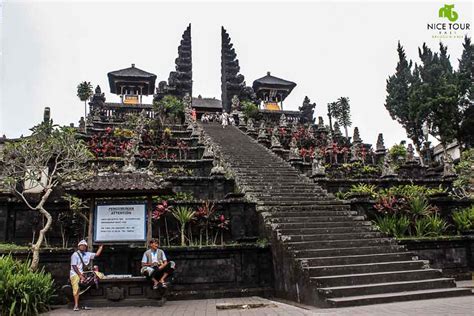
column 294, row 127
column 275, row 139
column 317, row 167
column 133, row 147
column 283, row 121
column 410, row 154
column 82, row 125
column 354, row 152
column 250, row 126
column 235, row 103
column 217, row 169
column 262, row 132
column 241, row 116
column 208, row 152
column 320, row 122
column 387, row 169
column 294, row 153
column 448, row 166
column 188, row 101
column 200, row 141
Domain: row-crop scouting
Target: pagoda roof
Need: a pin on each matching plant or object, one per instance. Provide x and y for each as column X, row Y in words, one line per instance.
column 124, row 183
column 131, row 76
column 273, row 82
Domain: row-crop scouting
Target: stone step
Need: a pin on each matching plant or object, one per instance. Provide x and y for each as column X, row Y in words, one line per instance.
column 375, row 277
column 327, row 237
column 333, row 252
column 298, row 225
column 356, row 259
column 365, row 268
column 297, row 203
column 313, row 208
column 390, row 287
column 281, row 214
column 299, row 245
column 317, row 219
column 397, row 297
column 325, row 230
column 293, row 196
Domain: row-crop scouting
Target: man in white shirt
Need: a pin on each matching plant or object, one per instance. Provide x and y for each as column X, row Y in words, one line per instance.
column 155, row 266
column 80, row 261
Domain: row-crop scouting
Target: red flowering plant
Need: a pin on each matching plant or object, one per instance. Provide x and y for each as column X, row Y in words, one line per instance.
column 204, row 214
column 389, row 204
column 223, row 225
column 304, row 138
column 160, row 212
column 103, row 145
column 183, row 149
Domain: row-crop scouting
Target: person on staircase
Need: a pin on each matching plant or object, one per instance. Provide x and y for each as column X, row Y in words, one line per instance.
column 155, row 266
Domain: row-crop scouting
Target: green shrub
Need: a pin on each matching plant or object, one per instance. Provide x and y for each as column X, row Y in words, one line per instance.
column 397, row 153
column 393, row 225
column 463, row 186
column 250, row 110
column 362, row 189
column 418, row 206
column 411, row 190
column 464, row 219
column 430, row 226
column 23, row 292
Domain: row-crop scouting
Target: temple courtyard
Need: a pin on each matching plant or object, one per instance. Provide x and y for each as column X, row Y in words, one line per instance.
column 261, row 306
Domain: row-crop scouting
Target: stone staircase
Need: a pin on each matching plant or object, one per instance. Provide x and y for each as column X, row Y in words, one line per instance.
column 324, row 254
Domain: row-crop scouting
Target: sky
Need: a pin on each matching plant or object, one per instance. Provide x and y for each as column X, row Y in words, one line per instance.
column 330, row 49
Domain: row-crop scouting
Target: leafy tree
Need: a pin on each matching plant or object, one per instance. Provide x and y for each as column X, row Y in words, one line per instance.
column 52, row 154
column 403, row 101
column 439, row 94
column 331, row 110
column 250, row 109
column 466, row 91
column 169, row 106
column 84, row 92
column 342, row 113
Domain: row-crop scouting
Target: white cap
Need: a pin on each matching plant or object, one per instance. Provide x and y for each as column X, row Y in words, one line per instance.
column 82, row 242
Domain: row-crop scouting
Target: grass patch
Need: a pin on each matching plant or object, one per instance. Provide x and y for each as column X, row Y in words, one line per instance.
column 10, row 247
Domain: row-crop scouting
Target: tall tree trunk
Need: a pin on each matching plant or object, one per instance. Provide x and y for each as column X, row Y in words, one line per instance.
column 35, row 248
column 85, row 116
column 345, row 131
column 418, row 151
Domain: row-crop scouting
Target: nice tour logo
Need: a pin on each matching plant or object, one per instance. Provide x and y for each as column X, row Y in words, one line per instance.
column 451, row 29
column 448, row 12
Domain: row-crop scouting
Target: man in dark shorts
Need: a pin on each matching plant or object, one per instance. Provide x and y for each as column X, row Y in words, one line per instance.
column 155, row 266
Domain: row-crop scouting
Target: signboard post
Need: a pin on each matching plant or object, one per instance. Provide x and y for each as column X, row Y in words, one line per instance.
column 120, row 223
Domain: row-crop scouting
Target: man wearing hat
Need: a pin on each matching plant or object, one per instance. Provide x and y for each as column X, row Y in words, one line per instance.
column 80, row 261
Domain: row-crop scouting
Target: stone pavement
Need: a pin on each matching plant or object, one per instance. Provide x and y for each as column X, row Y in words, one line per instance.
column 446, row 306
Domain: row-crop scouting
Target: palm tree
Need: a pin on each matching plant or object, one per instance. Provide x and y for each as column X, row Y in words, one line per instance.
column 84, row 92
column 343, row 113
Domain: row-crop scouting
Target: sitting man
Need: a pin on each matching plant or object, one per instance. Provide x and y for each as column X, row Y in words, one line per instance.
column 80, row 265
column 155, row 266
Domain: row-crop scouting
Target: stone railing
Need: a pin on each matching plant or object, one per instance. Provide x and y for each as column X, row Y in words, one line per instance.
column 117, row 112
column 274, row 116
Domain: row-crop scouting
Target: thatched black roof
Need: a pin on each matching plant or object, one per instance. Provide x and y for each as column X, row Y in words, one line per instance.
column 132, row 76
column 110, row 184
column 270, row 82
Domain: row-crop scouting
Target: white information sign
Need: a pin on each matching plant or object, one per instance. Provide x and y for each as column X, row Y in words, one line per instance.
column 120, row 223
